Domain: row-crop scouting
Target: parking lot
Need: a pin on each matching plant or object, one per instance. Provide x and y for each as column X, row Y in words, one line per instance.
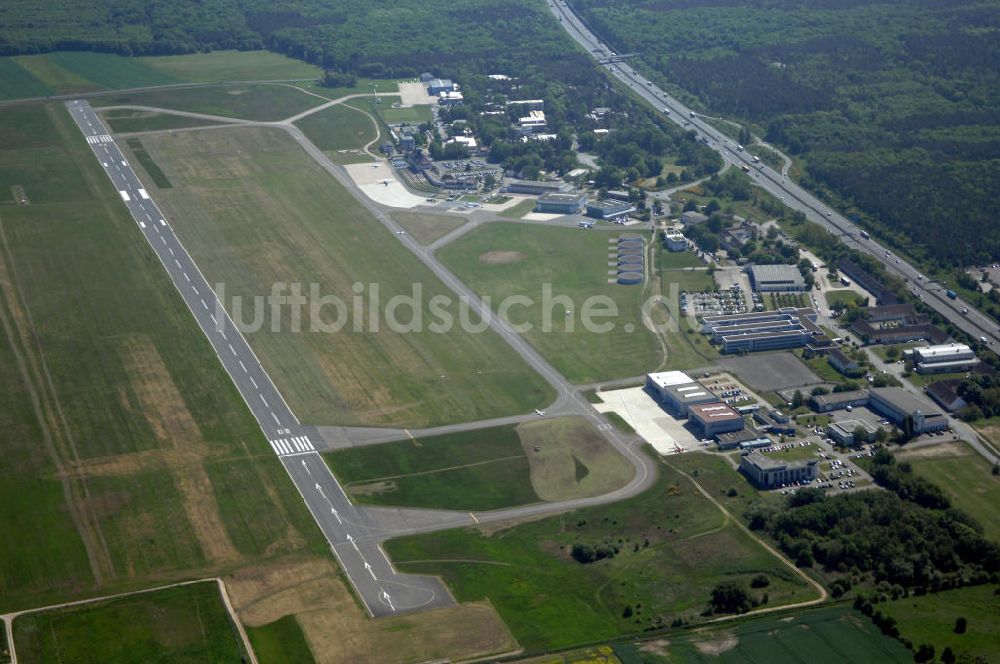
column 770, row 371
column 714, row 303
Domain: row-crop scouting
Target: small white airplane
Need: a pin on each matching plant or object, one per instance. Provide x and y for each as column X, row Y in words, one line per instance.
column 540, row 413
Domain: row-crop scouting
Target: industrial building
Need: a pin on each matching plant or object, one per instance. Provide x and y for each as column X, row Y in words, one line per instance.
column 608, row 209
column 946, row 358
column 531, row 123
column 769, row 473
column 679, row 398
column 774, row 421
column 557, row 203
column 714, row 418
column 438, row 85
column 657, row 383
column 842, row 432
column 534, row 187
column 883, row 295
column 748, row 439
column 825, row 403
column 895, row 404
column 674, row 241
column 450, row 98
column 842, row 362
column 763, row 330
column 776, row 278
column 945, row 394
column 691, row 218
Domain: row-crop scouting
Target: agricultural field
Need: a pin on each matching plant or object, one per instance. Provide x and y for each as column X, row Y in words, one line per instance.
column 931, row 619
column 503, row 260
column 687, row 280
column 338, row 128
column 828, row 635
column 247, row 102
column 254, row 210
column 426, row 228
column 123, row 120
column 302, row 611
column 183, row 624
column 63, row 72
column 668, row 548
column 129, row 458
column 965, row 477
column 485, row 469
column 16, row 82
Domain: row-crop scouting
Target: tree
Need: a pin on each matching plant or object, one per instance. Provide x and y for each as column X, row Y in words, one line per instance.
column 627, row 612
column 948, row 656
column 925, row 653
column 797, row 399
column 760, row 581
column 860, row 435
column 745, row 137
column 730, row 597
column 960, row 625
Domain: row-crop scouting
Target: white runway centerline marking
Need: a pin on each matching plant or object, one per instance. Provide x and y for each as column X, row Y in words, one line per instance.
column 263, row 400
column 243, row 366
column 204, row 305
column 254, row 383
column 233, row 351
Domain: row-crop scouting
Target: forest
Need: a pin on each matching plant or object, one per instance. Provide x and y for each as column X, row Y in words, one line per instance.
column 890, row 106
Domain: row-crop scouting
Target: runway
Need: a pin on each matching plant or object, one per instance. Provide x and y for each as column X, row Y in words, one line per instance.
column 352, row 536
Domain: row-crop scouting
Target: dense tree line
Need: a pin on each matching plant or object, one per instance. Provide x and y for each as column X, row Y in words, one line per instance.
column 982, row 394
column 892, row 105
column 895, row 540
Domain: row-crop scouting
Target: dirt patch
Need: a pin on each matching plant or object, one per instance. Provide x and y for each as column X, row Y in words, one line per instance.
column 657, row 647
column 20, row 197
column 178, row 434
column 570, row 459
column 724, row 642
column 935, row 451
column 372, row 488
column 501, row 257
column 338, row 630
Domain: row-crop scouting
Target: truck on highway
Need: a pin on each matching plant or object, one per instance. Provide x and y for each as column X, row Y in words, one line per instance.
column 865, row 235
column 952, row 294
column 756, row 159
column 746, row 169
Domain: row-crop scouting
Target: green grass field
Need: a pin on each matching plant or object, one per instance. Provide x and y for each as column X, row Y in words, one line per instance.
column 129, row 458
column 125, row 120
column 669, row 260
column 280, row 642
column 410, row 115
column 931, row 619
column 248, row 102
column 157, row 175
column 689, row 281
column 828, row 635
column 518, row 210
column 255, row 210
column 485, row 469
column 502, row 260
column 965, row 477
column 219, row 66
column 69, row 72
column 426, row 228
column 339, row 127
column 184, row 624
column 838, row 299
column 821, row 366
column 673, row 548
column 476, row 470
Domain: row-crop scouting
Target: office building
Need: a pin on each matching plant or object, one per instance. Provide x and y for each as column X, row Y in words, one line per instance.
column 843, row 432
column 769, row 473
column 608, row 209
column 763, row 330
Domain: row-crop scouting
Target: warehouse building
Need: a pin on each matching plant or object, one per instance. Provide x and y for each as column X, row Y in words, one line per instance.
column 768, row 473
column 895, row 404
column 534, row 187
column 946, row 358
column 748, row 439
column 657, row 383
column 825, row 403
column 679, row 398
column 714, row 418
column 608, row 209
column 554, row 203
column 776, row 278
column 438, row 85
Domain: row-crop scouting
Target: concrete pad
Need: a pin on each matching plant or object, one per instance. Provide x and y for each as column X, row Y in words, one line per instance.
column 499, row 207
column 413, row 94
column 541, row 216
column 770, row 371
column 664, row 433
column 379, row 183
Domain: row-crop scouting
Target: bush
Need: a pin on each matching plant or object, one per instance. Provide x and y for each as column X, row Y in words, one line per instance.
column 760, row 581
column 731, row 598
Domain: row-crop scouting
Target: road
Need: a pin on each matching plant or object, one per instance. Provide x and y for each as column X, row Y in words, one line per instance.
column 974, row 323
column 355, row 534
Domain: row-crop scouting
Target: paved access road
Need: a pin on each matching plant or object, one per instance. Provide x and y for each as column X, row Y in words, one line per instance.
column 355, row 533
column 974, row 322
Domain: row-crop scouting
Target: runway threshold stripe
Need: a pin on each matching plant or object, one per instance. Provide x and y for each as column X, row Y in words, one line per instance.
column 274, row 445
column 298, row 444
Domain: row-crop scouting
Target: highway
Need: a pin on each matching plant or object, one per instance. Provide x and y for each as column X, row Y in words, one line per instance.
column 974, row 322
column 355, row 534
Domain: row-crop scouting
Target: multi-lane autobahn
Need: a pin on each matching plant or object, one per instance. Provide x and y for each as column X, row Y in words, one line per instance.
column 963, row 315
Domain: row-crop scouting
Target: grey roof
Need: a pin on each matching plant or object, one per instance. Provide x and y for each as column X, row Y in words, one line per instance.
column 695, row 392
column 903, row 400
column 765, row 462
column 777, row 274
column 561, row 198
column 841, row 397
